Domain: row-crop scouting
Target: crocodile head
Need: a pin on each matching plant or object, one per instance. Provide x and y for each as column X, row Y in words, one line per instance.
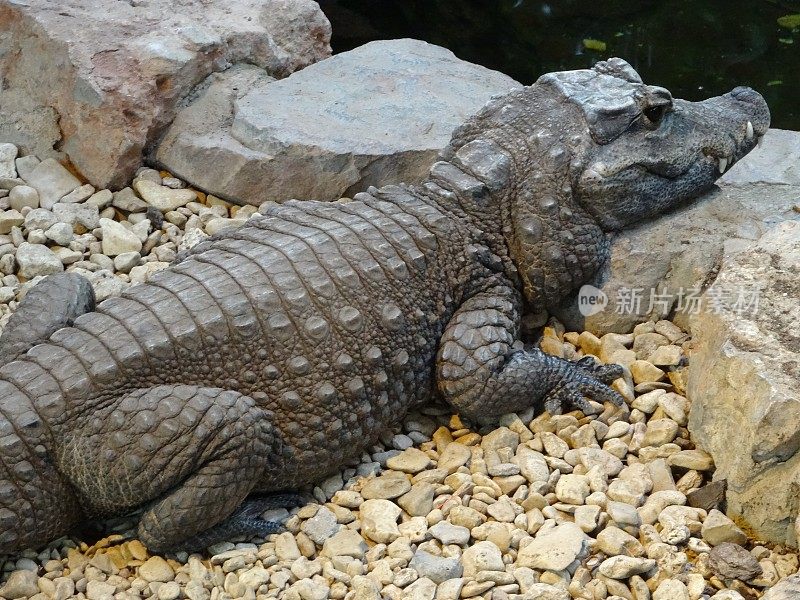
column 558, row 165
column 646, row 150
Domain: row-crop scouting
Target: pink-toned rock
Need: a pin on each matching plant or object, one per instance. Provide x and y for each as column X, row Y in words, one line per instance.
column 97, row 81
column 743, row 378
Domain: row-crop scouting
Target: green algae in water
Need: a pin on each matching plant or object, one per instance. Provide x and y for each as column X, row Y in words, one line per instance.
column 596, row 45
column 694, row 48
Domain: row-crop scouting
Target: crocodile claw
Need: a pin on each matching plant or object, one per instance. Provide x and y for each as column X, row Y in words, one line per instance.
column 600, row 371
column 258, row 503
column 589, row 379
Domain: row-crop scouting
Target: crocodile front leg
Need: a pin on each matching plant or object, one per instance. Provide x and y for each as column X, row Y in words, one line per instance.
column 482, row 376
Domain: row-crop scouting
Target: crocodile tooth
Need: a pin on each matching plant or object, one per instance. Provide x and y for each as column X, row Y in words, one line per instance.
column 749, row 130
column 760, row 141
column 723, row 164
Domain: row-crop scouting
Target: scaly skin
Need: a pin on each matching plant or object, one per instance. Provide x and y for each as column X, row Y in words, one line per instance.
column 271, row 355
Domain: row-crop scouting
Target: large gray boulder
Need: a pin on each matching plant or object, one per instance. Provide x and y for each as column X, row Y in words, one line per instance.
column 744, row 382
column 673, row 258
column 375, row 115
column 96, row 81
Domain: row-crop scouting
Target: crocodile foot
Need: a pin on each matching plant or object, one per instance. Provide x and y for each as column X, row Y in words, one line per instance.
column 258, row 503
column 246, row 522
column 583, row 379
column 602, row 372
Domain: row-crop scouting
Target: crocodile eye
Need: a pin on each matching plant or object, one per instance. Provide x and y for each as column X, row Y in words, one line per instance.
column 654, row 114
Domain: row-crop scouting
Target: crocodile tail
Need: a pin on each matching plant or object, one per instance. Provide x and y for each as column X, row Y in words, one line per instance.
column 51, row 304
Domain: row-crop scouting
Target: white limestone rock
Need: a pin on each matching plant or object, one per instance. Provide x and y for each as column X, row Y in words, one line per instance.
column 36, row 259
column 117, row 239
column 555, row 549
column 51, row 181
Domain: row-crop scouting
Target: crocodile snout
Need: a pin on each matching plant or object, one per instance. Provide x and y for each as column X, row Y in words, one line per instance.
column 741, row 117
column 753, row 107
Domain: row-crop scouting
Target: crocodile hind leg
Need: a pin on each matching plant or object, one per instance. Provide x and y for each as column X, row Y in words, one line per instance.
column 51, row 304
column 191, row 454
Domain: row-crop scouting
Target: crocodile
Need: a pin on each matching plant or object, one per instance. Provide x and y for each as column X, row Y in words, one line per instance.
column 271, row 355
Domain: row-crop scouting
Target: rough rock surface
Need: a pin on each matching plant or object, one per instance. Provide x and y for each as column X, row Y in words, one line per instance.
column 776, row 162
column 788, row 589
column 375, row 115
column 98, row 80
column 652, row 257
column 743, row 380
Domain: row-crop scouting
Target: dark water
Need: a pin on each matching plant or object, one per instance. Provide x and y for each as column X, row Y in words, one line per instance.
column 695, row 48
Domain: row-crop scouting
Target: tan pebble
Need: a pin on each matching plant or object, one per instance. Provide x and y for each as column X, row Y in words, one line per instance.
column 678, row 378
column 620, row 356
column 554, row 445
column 343, row 515
column 411, row 460
column 624, row 389
column 669, row 330
column 660, row 431
column 552, row 346
column 98, row 590
column 644, row 371
column 48, row 588
column 668, row 355
column 455, row 422
column 509, row 484
column 692, row 459
column 646, row 327
column 105, row 563
column 308, row 511
column 156, row 569
column 589, row 343
column 305, row 545
column 442, row 437
column 347, row 498
column 465, row 516
column 468, row 439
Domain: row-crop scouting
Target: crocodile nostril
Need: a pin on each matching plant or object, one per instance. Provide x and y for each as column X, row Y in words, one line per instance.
column 746, row 94
column 752, row 109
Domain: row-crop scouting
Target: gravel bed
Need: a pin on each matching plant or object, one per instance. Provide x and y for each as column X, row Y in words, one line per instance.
column 50, row 222
column 615, row 505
